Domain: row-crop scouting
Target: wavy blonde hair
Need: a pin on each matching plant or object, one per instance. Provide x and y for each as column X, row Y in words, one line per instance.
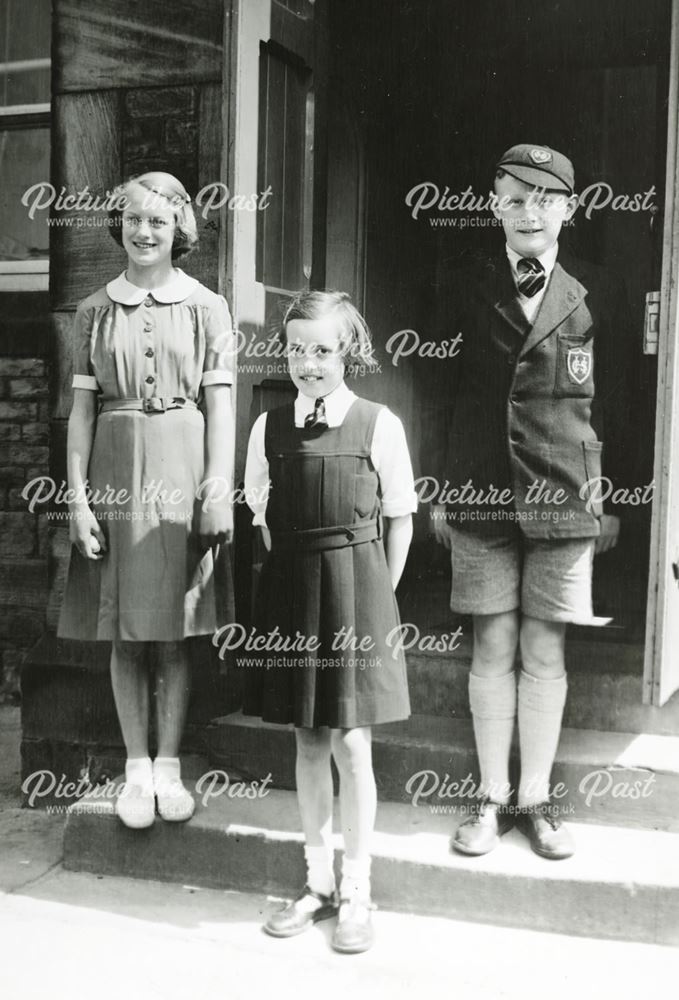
column 173, row 192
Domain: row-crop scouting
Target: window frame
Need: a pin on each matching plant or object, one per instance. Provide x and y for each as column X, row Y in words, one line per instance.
column 25, row 275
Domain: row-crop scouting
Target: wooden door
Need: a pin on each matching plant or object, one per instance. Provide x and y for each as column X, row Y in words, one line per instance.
column 277, row 142
column 275, row 132
column 661, row 667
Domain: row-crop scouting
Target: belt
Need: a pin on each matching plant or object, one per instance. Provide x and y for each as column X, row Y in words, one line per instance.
column 320, row 539
column 155, row 404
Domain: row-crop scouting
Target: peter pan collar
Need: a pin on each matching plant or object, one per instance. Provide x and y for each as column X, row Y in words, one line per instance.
column 176, row 290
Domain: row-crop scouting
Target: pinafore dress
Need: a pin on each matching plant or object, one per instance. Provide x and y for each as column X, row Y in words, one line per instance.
column 326, row 580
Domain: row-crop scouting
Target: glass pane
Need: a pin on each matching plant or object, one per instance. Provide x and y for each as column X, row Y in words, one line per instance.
column 24, row 37
column 24, row 161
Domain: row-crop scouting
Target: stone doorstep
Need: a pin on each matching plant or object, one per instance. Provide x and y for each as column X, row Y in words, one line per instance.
column 618, row 778
column 605, row 689
column 621, row 883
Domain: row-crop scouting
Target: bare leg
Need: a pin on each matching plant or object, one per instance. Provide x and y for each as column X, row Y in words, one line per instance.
column 129, row 678
column 352, row 750
column 314, row 785
column 173, row 689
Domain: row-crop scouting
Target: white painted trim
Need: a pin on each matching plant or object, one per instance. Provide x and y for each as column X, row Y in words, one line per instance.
column 26, row 282
column 14, row 110
column 37, row 266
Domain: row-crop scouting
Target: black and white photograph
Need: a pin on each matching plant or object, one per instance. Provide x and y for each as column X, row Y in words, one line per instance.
column 339, row 499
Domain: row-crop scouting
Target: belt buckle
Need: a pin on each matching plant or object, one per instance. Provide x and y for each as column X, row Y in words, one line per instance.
column 154, row 405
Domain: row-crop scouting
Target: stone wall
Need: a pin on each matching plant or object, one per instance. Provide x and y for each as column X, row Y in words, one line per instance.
column 24, row 455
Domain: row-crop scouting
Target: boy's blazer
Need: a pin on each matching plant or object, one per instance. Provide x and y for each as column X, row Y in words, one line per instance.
column 547, row 402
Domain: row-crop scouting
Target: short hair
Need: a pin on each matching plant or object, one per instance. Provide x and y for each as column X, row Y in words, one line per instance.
column 166, row 186
column 357, row 353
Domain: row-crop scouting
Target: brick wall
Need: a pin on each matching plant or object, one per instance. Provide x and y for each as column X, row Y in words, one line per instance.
column 24, row 454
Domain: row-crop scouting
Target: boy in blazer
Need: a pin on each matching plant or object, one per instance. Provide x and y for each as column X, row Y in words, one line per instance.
column 536, row 431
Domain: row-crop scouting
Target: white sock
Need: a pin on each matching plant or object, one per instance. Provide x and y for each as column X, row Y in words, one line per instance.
column 138, row 771
column 166, row 770
column 355, row 884
column 493, row 704
column 320, row 873
column 541, row 704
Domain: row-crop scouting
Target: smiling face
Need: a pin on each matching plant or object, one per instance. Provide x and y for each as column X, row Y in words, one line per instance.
column 148, row 227
column 314, row 351
column 531, row 218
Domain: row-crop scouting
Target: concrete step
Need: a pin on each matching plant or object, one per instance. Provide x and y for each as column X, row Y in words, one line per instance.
column 617, row 778
column 620, row 884
column 605, row 687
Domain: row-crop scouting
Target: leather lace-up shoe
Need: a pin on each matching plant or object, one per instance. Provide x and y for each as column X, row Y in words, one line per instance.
column 547, row 835
column 481, row 831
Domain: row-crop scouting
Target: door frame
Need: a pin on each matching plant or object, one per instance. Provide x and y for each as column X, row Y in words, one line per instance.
column 661, row 660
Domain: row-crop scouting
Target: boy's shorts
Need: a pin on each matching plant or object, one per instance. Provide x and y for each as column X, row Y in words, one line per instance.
column 546, row 578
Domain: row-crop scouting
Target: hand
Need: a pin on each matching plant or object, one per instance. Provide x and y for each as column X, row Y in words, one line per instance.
column 610, row 529
column 215, row 525
column 86, row 534
column 440, row 527
column 266, row 537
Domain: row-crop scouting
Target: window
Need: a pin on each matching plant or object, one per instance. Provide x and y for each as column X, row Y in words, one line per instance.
column 24, row 141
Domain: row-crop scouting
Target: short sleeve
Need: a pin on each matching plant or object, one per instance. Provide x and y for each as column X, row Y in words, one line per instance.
column 391, row 459
column 219, row 345
column 83, row 373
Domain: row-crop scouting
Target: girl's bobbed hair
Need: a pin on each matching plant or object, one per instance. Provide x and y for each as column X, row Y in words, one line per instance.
column 159, row 186
column 357, row 348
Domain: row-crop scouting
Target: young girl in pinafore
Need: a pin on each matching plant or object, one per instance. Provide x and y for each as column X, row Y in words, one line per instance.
column 337, row 520
column 143, row 463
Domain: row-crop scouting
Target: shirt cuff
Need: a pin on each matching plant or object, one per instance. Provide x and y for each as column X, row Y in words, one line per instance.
column 259, row 520
column 218, row 376
column 401, row 507
column 85, row 382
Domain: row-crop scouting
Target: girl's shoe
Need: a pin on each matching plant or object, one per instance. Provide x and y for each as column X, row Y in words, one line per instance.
column 354, row 932
column 175, row 802
column 136, row 806
column 306, row 909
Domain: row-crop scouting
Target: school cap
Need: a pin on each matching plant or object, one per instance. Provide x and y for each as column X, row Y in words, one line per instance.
column 539, row 165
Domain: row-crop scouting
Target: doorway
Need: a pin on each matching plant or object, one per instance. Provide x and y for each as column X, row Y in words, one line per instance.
column 431, row 94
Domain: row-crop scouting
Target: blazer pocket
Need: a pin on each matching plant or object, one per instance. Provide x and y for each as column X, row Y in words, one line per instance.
column 592, row 454
column 574, row 367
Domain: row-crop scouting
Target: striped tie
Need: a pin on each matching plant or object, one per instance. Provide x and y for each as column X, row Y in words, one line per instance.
column 317, row 418
column 531, row 276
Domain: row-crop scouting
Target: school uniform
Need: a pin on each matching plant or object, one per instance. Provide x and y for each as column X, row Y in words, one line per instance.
column 148, row 354
column 538, row 393
column 326, row 575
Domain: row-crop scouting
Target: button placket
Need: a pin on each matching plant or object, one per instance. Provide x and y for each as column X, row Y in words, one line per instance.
column 148, row 328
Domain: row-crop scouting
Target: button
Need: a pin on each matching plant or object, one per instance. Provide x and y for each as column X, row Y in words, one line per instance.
column 150, row 379
column 511, row 360
column 149, row 352
column 148, row 301
column 148, row 329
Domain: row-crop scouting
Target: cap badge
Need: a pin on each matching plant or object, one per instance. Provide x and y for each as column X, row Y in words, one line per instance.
column 540, row 156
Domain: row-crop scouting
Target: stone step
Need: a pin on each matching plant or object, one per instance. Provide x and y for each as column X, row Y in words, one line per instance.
column 618, row 778
column 605, row 688
column 621, row 883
